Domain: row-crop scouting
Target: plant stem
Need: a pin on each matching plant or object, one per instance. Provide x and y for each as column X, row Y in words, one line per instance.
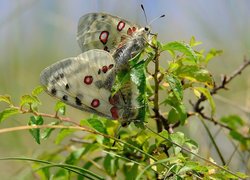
column 156, row 92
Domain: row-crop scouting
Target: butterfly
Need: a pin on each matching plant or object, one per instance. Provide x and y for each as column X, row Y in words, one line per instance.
column 85, row 82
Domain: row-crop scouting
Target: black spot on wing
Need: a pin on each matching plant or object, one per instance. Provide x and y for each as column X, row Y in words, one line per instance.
column 78, row 101
column 53, row 91
column 67, row 86
column 65, row 98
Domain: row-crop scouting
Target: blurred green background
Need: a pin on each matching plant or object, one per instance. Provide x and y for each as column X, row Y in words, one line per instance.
column 37, row 33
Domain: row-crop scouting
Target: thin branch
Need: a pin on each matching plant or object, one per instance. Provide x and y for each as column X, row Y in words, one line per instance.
column 214, row 143
column 225, row 81
column 55, row 116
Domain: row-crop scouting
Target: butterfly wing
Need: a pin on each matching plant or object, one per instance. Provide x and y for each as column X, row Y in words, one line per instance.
column 103, row 31
column 79, row 82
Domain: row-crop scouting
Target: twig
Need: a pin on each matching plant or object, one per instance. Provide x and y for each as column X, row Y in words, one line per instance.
column 225, row 80
column 55, row 116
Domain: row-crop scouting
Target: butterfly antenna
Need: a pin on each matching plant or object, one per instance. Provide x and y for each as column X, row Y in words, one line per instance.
column 156, row 19
column 144, row 12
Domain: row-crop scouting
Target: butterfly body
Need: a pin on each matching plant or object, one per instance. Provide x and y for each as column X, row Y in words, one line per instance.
column 86, row 81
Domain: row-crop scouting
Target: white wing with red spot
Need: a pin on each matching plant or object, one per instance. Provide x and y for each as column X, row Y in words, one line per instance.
column 103, row 31
column 79, row 82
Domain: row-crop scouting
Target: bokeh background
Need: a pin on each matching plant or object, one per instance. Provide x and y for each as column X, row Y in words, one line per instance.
column 37, row 33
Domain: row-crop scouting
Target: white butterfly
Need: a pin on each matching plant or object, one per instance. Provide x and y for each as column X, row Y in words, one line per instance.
column 85, row 82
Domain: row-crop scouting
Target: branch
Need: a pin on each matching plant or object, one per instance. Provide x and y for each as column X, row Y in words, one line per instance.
column 55, row 116
column 225, row 80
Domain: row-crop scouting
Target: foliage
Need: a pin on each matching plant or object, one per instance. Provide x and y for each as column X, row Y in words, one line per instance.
column 138, row 153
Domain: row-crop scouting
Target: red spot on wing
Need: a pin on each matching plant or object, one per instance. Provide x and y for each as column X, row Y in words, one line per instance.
column 88, row 80
column 111, row 66
column 113, row 100
column 114, row 112
column 129, row 32
column 120, row 25
column 95, row 103
column 104, row 37
column 104, row 69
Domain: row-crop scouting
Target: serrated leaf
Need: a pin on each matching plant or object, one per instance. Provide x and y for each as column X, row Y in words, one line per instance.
column 38, row 90
column 181, row 47
column 60, row 107
column 176, row 87
column 207, row 94
column 195, row 74
column 5, row 98
column 7, row 113
column 138, row 77
column 35, row 120
column 62, row 134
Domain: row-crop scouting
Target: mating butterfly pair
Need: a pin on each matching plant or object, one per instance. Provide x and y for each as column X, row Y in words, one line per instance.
column 85, row 82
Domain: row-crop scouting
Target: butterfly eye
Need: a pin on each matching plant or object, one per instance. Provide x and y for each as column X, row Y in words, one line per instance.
column 146, row 29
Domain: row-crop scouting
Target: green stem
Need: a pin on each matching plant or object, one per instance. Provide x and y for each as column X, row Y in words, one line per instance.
column 213, row 142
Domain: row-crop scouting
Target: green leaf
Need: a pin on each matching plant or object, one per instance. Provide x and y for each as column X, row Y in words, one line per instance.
column 192, row 145
column 178, row 108
column 238, row 137
column 173, row 66
column 111, row 165
column 183, row 48
column 38, row 90
column 47, row 131
column 173, row 116
column 121, row 78
column 207, row 94
column 7, row 113
column 138, row 78
column 211, row 54
column 74, row 156
column 178, row 138
column 60, row 107
column 36, row 120
column 28, row 99
column 193, row 42
column 176, row 87
column 97, row 125
column 194, row 73
column 130, row 171
column 62, row 134
column 5, row 98
column 233, row 121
